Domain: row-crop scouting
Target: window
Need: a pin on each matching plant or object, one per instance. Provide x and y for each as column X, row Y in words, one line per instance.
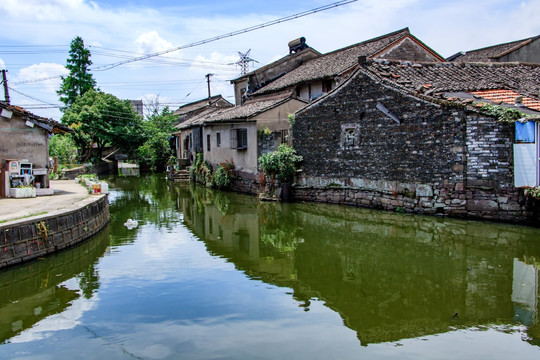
column 350, row 138
column 326, row 86
column 218, row 139
column 239, row 139
column 207, row 142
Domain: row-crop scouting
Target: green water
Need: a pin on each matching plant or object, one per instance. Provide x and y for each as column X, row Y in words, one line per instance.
column 214, row 275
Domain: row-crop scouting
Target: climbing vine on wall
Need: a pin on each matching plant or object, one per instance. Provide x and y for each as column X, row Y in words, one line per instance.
column 502, row 113
column 533, row 192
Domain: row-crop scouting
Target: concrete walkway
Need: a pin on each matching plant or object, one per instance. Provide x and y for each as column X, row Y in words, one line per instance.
column 66, row 194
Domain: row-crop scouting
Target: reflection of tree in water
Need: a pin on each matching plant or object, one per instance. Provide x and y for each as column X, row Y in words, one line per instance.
column 89, row 281
column 35, row 291
column 147, row 199
column 278, row 228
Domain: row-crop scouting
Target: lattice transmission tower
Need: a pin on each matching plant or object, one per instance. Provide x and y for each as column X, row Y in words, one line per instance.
column 244, row 62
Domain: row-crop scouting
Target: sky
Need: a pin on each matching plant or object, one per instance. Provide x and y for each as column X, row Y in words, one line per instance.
column 36, row 34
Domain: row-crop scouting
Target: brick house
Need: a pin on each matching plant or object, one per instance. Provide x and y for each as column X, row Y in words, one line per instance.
column 401, row 135
column 267, row 96
column 319, row 75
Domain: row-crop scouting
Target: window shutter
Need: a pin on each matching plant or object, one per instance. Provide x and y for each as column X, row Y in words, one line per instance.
column 233, row 139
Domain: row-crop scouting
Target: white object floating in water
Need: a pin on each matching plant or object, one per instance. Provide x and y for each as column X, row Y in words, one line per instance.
column 131, row 224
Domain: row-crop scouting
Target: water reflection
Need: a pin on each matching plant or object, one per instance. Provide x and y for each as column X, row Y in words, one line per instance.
column 158, row 293
column 32, row 292
column 389, row 276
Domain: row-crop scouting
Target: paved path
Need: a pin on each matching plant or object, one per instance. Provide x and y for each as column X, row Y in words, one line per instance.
column 66, row 194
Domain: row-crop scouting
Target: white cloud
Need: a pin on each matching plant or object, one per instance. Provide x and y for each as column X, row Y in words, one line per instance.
column 151, row 42
column 2, row 64
column 67, row 319
column 41, row 71
column 52, row 10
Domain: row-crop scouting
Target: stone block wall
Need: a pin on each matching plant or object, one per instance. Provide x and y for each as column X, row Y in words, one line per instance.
column 427, row 145
column 29, row 239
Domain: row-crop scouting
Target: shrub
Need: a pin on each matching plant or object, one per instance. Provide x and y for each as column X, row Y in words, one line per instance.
column 221, row 178
column 281, row 163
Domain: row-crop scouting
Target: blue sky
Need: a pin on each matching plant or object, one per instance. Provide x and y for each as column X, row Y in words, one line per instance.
column 34, row 41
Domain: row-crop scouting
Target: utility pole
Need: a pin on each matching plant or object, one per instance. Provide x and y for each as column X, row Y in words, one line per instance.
column 6, row 89
column 209, row 94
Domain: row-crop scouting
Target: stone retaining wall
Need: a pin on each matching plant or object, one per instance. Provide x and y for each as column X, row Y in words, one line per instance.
column 447, row 199
column 24, row 240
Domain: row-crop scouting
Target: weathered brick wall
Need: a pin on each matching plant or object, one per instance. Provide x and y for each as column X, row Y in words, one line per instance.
column 427, row 146
column 489, row 152
column 408, row 155
column 26, row 240
column 246, row 183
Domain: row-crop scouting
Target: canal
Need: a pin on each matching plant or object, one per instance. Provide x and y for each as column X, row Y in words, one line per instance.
column 213, row 275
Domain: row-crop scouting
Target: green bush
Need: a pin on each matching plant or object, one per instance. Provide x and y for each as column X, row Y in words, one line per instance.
column 222, row 178
column 280, row 164
column 201, row 171
column 63, row 146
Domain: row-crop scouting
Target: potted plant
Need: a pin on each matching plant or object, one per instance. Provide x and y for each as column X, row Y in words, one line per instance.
column 281, row 165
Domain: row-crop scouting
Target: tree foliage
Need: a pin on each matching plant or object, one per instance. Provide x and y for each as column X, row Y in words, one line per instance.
column 104, row 120
column 281, row 163
column 79, row 80
column 157, row 129
column 63, row 146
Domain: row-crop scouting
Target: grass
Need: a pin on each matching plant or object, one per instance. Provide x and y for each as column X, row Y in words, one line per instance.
column 23, row 217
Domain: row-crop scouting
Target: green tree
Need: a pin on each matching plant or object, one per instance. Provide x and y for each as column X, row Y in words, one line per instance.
column 63, row 146
column 157, row 129
column 102, row 119
column 79, row 80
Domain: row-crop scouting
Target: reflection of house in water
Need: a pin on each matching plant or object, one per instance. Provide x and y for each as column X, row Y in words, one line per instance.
column 526, row 295
column 389, row 277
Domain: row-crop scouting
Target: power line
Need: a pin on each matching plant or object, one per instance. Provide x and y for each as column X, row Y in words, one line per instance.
column 209, row 40
column 231, row 34
column 31, row 97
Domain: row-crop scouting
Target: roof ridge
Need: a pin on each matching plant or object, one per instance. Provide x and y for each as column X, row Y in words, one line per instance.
column 517, row 42
column 405, row 30
column 452, row 63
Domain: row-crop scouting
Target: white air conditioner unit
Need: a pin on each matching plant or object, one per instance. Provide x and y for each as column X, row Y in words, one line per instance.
column 6, row 113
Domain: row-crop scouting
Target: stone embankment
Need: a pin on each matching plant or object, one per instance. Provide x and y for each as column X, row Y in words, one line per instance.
column 30, row 238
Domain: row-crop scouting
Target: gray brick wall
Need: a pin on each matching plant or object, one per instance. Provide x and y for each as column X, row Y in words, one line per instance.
column 408, row 154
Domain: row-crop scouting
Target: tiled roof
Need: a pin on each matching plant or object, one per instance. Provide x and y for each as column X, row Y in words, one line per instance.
column 47, row 124
column 431, row 78
column 508, row 97
column 237, row 113
column 334, row 63
column 491, row 53
column 196, row 105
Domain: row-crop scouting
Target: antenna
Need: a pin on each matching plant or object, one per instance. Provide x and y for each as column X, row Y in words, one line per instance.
column 244, row 62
